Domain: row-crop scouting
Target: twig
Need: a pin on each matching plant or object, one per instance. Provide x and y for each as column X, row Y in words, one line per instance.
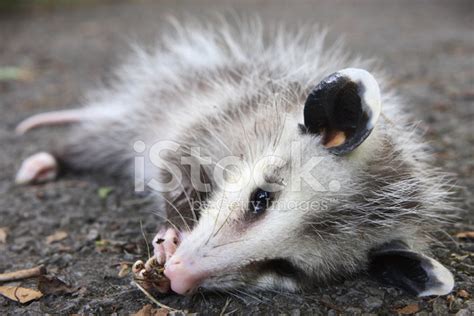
column 144, row 238
column 231, row 312
column 154, row 300
column 331, row 306
column 22, row 274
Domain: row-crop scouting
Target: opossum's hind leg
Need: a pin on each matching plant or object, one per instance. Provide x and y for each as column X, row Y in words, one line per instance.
column 43, row 166
column 40, row 167
column 98, row 142
column 51, row 118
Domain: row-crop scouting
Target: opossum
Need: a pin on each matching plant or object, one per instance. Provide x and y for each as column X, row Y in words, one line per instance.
column 280, row 161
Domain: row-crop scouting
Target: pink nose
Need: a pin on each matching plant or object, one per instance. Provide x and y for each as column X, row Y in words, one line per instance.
column 183, row 275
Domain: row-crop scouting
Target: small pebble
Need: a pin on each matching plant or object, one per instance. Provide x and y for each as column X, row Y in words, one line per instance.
column 295, row 312
column 371, row 303
column 93, row 235
column 439, row 307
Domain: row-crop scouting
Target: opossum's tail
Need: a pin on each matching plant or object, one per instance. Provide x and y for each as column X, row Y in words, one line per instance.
column 52, row 118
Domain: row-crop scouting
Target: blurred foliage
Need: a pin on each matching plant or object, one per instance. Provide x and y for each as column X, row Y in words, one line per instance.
column 15, row 73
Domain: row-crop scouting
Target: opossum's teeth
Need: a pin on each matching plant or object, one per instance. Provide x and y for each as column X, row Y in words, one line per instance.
column 40, row 167
column 343, row 109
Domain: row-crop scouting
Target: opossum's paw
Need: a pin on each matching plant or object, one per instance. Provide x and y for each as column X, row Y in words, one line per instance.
column 150, row 275
column 40, row 167
column 165, row 244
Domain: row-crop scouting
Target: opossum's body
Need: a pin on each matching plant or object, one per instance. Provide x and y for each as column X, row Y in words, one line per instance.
column 241, row 93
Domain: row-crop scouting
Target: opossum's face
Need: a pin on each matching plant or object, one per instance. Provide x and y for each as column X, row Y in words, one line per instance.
column 265, row 226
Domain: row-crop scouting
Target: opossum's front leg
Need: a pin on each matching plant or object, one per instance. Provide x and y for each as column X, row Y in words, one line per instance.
column 165, row 244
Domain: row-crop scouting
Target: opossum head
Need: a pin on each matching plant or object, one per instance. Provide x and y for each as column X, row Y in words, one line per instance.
column 305, row 201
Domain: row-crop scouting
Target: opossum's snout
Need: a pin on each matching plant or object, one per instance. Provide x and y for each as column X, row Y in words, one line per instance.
column 217, row 253
column 184, row 274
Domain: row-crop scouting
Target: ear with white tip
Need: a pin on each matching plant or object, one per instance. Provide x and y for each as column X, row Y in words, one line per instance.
column 395, row 264
column 343, row 108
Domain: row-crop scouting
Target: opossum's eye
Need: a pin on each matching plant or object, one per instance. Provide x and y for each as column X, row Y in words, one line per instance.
column 343, row 109
column 259, row 201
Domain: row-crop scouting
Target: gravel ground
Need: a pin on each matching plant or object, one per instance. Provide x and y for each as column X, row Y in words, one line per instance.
column 427, row 48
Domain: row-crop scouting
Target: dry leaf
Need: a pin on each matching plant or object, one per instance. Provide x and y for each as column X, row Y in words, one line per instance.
column 20, row 294
column 409, row 309
column 22, row 274
column 465, row 235
column 148, row 310
column 124, row 270
column 459, row 257
column 450, row 298
column 48, row 284
column 3, row 235
column 463, row 294
column 57, row 236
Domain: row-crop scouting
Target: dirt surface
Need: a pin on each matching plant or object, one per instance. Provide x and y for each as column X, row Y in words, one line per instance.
column 59, row 52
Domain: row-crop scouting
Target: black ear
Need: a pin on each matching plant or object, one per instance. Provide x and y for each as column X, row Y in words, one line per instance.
column 343, row 108
column 395, row 264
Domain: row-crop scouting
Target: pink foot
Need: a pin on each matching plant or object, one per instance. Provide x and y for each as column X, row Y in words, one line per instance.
column 165, row 244
column 40, row 167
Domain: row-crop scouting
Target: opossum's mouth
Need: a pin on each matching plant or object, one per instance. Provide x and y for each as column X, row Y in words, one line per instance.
column 249, row 274
column 279, row 266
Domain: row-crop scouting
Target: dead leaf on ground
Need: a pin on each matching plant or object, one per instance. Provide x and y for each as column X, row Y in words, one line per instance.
column 463, row 294
column 465, row 235
column 106, row 245
column 3, row 235
column 124, row 269
column 48, row 284
column 148, row 310
column 459, row 257
column 57, row 236
column 22, row 274
column 450, row 298
column 407, row 310
column 20, row 294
